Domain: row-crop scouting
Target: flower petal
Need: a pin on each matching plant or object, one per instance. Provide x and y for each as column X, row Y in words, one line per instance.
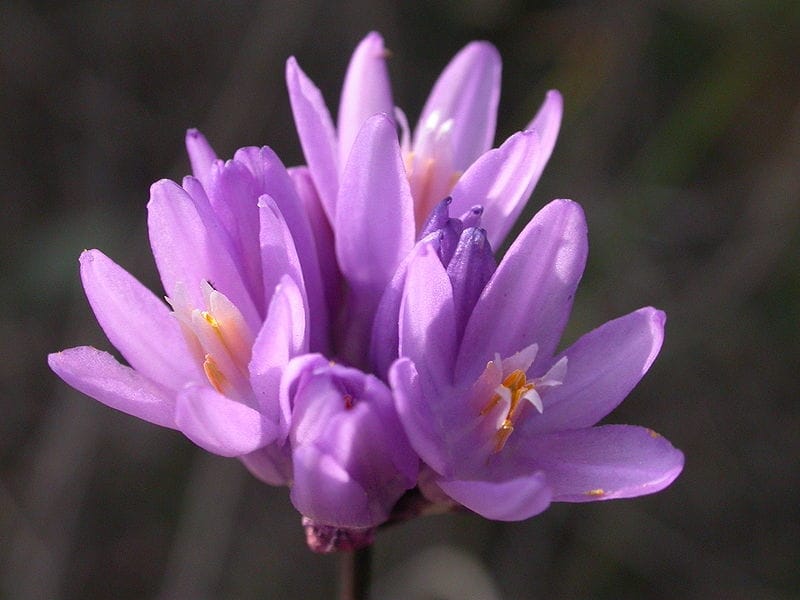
column 367, row 91
column 603, row 366
column 137, row 323
column 278, row 252
column 316, row 132
column 601, row 463
column 190, row 246
column 99, row 375
column 420, row 423
column 427, row 321
column 374, row 224
column 528, row 299
column 274, row 180
column 374, row 228
column 232, row 193
column 347, row 444
column 385, row 330
column 501, row 180
column 323, row 490
column 321, row 233
column 505, row 500
column 201, row 155
column 221, row 425
column 282, row 337
column 272, row 464
column 468, row 92
column 547, row 123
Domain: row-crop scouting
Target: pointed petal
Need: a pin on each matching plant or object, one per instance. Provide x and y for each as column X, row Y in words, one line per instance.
column 190, row 246
column 221, row 425
column 278, row 252
column 505, row 500
column 427, row 318
column 316, row 132
column 374, row 224
column 374, row 228
column 601, row 463
column 418, row 418
column 321, row 233
column 501, row 181
column 232, row 193
column 385, row 341
column 282, row 337
column 99, row 375
column 528, row 299
column 547, row 123
column 201, row 155
column 468, row 92
column 274, row 180
column 137, row 323
column 367, row 91
column 603, row 367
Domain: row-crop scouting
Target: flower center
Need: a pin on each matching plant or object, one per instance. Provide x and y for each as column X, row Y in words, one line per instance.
column 219, row 338
column 516, row 390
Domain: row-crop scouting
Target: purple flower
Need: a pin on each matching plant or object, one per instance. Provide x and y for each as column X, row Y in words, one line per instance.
column 351, row 458
column 504, row 423
column 377, row 191
column 294, row 295
column 448, row 152
column 240, row 248
column 210, row 366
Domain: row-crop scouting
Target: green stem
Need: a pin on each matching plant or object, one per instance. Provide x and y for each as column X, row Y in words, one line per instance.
column 354, row 574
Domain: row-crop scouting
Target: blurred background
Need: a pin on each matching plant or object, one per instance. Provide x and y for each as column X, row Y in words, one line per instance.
column 681, row 139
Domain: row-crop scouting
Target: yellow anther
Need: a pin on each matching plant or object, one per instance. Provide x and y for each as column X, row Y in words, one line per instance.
column 502, row 435
column 596, row 492
column 517, row 384
column 653, row 434
column 209, row 318
column 213, row 373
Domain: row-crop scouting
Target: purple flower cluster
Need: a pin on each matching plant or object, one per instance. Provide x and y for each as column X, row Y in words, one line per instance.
column 344, row 328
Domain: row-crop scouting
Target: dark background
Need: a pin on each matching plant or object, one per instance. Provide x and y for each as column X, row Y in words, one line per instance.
column 681, row 139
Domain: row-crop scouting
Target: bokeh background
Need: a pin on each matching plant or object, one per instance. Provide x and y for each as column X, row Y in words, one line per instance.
column 681, row 139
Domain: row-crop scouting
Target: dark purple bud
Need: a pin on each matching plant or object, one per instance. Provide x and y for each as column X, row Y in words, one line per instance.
column 469, row 270
column 438, row 218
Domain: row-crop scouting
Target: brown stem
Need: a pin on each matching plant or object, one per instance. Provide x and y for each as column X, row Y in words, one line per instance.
column 354, row 574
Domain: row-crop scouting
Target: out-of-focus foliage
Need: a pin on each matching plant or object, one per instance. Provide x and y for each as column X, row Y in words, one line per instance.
column 681, row 139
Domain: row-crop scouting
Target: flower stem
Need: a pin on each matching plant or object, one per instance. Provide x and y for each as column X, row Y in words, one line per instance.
column 354, row 574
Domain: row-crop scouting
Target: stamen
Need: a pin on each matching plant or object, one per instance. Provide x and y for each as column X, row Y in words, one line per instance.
column 209, row 318
column 516, row 389
column 214, row 374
